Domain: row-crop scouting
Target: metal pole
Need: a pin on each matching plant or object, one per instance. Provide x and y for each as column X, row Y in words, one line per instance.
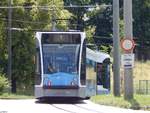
column 128, row 72
column 116, row 49
column 53, row 19
column 9, row 41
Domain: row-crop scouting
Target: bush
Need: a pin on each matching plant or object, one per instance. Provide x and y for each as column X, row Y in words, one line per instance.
column 4, row 83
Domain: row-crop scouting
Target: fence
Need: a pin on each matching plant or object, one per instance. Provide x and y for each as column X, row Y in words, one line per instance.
column 144, row 87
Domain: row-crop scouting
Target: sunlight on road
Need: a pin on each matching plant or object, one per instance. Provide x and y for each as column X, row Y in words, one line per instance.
column 33, row 106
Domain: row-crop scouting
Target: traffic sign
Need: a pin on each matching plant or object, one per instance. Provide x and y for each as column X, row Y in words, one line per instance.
column 127, row 60
column 127, row 44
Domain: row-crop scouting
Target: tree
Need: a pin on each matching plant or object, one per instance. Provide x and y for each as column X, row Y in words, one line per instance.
column 27, row 20
column 141, row 26
column 102, row 19
column 77, row 19
column 95, row 21
column 3, row 50
column 3, row 40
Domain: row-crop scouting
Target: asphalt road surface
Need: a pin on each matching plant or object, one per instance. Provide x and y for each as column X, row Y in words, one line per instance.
column 34, row 106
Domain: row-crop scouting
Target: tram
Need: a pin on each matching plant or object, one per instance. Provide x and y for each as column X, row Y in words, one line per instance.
column 62, row 68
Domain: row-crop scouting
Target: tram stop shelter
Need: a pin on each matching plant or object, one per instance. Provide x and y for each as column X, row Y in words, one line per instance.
column 102, row 68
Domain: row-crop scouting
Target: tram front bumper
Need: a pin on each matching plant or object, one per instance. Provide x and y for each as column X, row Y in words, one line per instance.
column 76, row 92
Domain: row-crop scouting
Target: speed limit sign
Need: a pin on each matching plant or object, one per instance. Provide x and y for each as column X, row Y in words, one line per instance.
column 127, row 44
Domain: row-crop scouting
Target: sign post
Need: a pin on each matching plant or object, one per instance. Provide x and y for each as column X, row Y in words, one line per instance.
column 127, row 63
column 127, row 59
column 128, row 72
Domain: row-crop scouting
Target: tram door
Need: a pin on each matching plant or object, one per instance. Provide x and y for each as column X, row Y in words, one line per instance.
column 103, row 75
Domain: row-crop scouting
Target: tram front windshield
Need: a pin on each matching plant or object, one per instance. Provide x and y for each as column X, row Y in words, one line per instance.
column 60, row 55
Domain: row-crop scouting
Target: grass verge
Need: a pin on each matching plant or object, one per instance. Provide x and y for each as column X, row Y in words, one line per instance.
column 139, row 101
column 15, row 96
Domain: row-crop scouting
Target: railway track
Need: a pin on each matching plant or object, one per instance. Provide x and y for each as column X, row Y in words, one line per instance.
column 63, row 106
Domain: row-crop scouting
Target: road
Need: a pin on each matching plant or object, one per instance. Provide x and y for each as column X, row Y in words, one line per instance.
column 33, row 106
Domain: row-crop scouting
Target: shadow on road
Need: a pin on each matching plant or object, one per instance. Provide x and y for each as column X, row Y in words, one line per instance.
column 60, row 101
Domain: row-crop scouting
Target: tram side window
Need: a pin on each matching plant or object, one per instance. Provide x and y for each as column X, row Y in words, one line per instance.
column 83, row 65
column 38, row 68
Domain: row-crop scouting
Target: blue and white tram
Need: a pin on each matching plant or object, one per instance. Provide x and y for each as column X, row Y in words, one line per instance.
column 61, row 66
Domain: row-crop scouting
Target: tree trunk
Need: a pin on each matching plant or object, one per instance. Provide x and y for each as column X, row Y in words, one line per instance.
column 13, row 85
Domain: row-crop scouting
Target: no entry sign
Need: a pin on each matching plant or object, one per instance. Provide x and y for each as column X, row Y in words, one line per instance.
column 127, row 44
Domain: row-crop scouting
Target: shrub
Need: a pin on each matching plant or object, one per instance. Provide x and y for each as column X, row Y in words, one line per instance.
column 4, row 83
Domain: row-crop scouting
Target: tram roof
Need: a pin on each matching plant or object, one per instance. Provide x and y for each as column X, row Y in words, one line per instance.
column 96, row 56
column 61, row 32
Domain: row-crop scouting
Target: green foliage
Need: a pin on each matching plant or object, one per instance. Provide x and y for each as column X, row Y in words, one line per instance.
column 15, row 96
column 141, row 27
column 29, row 20
column 141, row 15
column 139, row 102
column 122, row 33
column 90, row 30
column 101, row 18
column 104, row 48
column 4, row 84
column 3, row 46
column 77, row 19
column 94, row 21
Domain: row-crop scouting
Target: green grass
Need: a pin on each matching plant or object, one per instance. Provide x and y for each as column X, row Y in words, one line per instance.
column 141, row 71
column 139, row 101
column 15, row 96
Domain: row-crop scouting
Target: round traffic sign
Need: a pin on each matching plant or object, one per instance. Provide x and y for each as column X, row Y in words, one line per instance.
column 127, row 44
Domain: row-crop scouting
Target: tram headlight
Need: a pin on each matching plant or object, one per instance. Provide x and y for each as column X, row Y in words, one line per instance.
column 49, row 83
column 73, row 83
column 75, row 79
